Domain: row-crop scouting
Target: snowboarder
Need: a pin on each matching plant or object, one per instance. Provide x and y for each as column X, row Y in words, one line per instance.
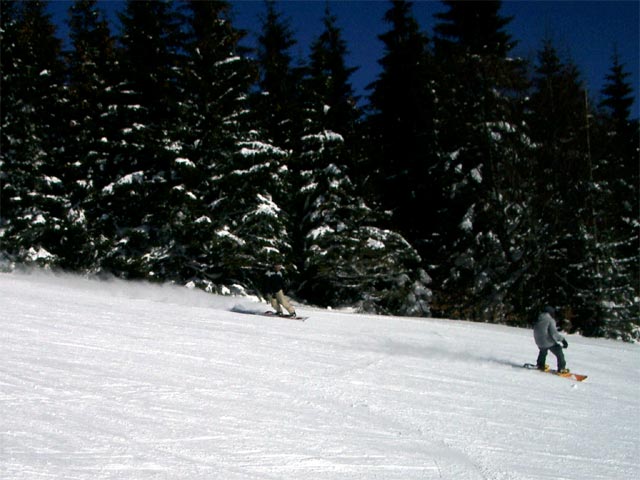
column 274, row 286
column 548, row 339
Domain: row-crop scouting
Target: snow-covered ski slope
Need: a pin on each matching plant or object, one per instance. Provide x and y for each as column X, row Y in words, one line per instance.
column 121, row 380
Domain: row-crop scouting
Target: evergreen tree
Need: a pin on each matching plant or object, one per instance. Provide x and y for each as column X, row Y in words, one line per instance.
column 227, row 224
column 11, row 170
column 348, row 259
column 475, row 28
column 620, row 165
column 325, row 193
column 141, row 165
column 88, row 143
column 328, row 79
column 278, row 110
column 615, row 290
column 480, row 172
column 401, row 123
column 562, row 216
column 35, row 207
column 277, row 105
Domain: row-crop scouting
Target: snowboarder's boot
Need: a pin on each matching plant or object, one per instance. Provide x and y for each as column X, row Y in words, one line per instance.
column 544, row 368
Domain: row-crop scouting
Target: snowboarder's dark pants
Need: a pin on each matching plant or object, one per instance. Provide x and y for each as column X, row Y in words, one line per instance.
column 557, row 351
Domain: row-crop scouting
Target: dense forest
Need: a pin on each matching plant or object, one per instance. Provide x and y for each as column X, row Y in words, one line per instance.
column 468, row 184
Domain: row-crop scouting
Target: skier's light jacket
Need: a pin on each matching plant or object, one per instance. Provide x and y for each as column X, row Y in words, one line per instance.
column 545, row 332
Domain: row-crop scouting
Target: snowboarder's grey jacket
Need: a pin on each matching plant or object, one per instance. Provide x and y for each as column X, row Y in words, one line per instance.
column 545, row 332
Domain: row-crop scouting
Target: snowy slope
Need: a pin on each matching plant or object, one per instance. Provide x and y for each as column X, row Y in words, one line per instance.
column 117, row 380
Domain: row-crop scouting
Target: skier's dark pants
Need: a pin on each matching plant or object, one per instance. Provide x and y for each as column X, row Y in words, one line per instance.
column 557, row 351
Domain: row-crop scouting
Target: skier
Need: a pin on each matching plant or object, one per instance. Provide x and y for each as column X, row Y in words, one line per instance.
column 547, row 339
column 274, row 286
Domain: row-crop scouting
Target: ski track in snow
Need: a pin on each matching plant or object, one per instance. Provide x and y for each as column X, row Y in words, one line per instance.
column 114, row 379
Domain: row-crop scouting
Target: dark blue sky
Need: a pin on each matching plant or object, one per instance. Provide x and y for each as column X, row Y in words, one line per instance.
column 586, row 32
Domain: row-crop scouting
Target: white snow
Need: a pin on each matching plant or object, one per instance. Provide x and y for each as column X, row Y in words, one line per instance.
column 38, row 220
column 251, row 149
column 131, row 178
column 40, row 254
column 375, row 244
column 76, row 216
column 50, row 180
column 320, row 232
column 185, row 162
column 175, row 147
column 324, row 137
column 476, row 174
column 123, row 380
column 225, row 232
column 227, row 61
column 467, row 222
column 265, row 206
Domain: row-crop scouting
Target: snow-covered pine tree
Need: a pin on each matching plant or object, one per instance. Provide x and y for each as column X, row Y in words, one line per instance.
column 328, row 80
column 277, row 106
column 233, row 228
column 401, row 126
column 88, row 143
column 479, row 131
column 278, row 120
column 256, row 228
column 614, row 291
column 620, row 151
column 146, row 145
column 347, row 258
column 561, row 214
column 11, row 172
column 34, row 221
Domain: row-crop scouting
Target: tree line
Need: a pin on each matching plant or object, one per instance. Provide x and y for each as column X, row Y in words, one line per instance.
column 470, row 184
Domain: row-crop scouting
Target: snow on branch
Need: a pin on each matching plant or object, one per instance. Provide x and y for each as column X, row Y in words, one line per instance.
column 185, row 162
column 266, row 207
column 224, row 232
column 131, row 178
column 250, row 149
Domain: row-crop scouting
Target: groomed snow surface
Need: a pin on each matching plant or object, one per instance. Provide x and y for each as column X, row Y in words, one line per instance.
column 123, row 380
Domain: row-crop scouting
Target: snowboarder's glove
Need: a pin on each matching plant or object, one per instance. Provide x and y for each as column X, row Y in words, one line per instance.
column 565, row 344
